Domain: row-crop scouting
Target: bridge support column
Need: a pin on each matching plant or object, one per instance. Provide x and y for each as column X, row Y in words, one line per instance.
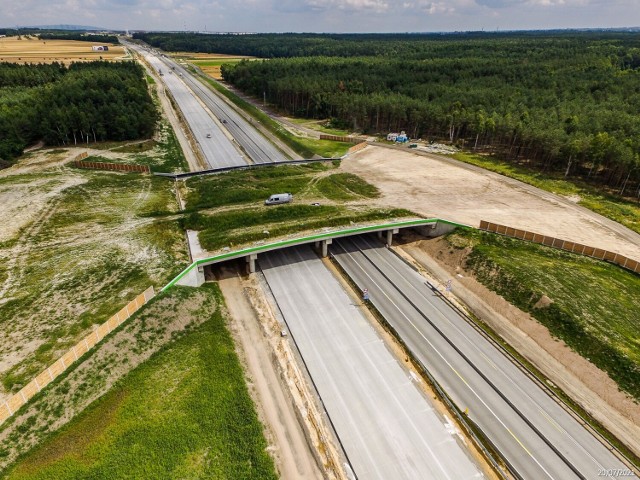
column 194, row 278
column 325, row 246
column 251, row 262
column 379, row 233
column 390, row 235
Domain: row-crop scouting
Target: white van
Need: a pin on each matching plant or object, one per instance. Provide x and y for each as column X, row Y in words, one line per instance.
column 279, row 198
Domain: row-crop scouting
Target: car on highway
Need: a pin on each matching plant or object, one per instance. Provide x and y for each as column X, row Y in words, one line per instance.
column 208, row 135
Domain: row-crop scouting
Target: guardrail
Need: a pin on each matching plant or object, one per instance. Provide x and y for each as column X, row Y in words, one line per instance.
column 213, row 171
column 302, row 240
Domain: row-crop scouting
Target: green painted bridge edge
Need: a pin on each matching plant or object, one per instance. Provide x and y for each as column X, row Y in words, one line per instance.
column 321, row 236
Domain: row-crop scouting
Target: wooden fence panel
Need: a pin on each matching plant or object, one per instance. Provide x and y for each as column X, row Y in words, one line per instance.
column 13, row 403
column 558, row 243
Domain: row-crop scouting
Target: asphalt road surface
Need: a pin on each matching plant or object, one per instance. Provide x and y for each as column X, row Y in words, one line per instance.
column 259, row 148
column 387, row 427
column 219, row 150
column 535, row 435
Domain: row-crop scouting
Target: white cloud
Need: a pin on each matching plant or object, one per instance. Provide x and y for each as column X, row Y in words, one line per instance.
column 324, row 15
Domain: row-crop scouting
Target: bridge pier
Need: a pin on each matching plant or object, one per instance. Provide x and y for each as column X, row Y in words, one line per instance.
column 390, row 235
column 251, row 262
column 323, row 246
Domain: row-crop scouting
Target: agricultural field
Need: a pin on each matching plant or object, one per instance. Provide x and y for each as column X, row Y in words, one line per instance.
column 566, row 293
column 184, row 412
column 75, row 246
column 211, row 65
column 228, row 209
column 30, row 49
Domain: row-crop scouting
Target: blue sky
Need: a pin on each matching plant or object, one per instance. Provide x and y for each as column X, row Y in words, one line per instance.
column 324, row 15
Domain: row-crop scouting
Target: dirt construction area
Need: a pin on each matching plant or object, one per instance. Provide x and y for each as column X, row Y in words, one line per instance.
column 441, row 187
column 437, row 186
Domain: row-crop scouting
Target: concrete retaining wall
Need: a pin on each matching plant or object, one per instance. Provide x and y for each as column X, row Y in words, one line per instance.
column 8, row 408
column 560, row 244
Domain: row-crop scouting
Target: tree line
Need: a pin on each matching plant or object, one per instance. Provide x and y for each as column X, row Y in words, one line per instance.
column 81, row 103
column 80, row 36
column 565, row 101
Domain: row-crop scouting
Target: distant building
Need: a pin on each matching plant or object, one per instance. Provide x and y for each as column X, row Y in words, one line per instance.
column 100, row 48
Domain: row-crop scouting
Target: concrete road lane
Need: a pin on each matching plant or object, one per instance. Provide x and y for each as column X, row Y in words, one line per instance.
column 216, row 145
column 387, row 426
column 538, row 437
column 259, row 148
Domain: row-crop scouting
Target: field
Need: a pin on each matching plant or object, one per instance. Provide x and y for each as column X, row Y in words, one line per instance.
column 228, row 209
column 184, row 413
column 75, row 246
column 33, row 50
column 211, row 66
column 589, row 304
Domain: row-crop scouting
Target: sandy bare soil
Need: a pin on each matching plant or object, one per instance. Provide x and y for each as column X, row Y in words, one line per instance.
column 288, row 444
column 80, row 245
column 444, row 188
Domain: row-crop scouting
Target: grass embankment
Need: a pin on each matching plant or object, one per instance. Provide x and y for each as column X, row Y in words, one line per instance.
column 90, row 251
column 185, row 413
column 594, row 305
column 320, row 125
column 303, row 146
column 342, row 196
column 622, row 211
column 163, row 155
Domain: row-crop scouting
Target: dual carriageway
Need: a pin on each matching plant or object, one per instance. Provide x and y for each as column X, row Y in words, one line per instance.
column 385, row 424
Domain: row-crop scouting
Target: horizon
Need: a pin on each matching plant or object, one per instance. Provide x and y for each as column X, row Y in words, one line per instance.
column 329, row 16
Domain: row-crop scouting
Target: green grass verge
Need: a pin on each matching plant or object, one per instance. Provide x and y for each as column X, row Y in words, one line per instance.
column 594, row 304
column 345, row 186
column 320, row 126
column 247, row 225
column 139, row 147
column 622, row 211
column 185, row 413
column 249, row 186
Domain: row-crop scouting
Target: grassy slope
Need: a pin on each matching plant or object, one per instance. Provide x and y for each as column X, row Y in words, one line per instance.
column 595, row 304
column 625, row 212
column 253, row 221
column 88, row 259
column 185, row 413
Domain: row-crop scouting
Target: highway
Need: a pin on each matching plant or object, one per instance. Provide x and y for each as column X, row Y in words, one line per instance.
column 537, row 437
column 387, row 427
column 228, row 122
column 259, row 148
column 219, row 150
